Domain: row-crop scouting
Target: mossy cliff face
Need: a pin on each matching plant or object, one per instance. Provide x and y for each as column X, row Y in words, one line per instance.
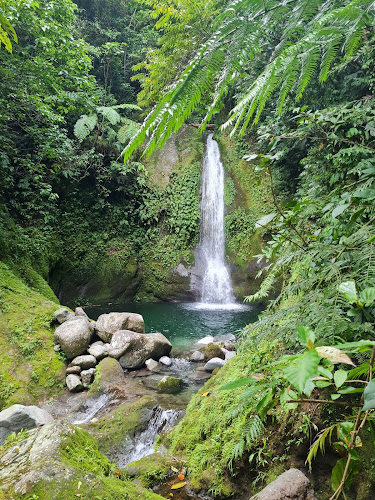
column 247, row 198
column 30, row 369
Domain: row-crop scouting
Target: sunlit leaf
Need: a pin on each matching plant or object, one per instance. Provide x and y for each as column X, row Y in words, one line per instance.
column 339, row 377
column 302, row 369
column 265, row 220
column 335, row 355
column 349, row 291
column 177, row 486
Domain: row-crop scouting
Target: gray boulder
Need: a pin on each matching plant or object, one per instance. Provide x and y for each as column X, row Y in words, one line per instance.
column 291, row 485
column 203, row 342
column 80, row 312
column 85, row 361
column 165, row 360
column 152, row 365
column 19, row 417
column 99, row 351
column 87, row 377
column 63, row 314
column 228, row 338
column 108, row 324
column 230, row 355
column 133, row 349
column 74, row 383
column 197, row 356
column 73, row 369
column 214, row 363
column 74, row 336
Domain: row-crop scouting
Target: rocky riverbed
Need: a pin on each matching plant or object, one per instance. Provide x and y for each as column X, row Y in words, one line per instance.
column 124, row 388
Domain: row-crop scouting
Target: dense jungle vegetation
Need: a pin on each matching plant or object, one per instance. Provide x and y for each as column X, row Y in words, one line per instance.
column 89, row 88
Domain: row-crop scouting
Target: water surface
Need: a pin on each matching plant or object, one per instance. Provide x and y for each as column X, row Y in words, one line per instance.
column 185, row 323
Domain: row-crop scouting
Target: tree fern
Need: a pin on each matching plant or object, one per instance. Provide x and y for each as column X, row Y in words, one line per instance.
column 85, row 125
column 312, row 31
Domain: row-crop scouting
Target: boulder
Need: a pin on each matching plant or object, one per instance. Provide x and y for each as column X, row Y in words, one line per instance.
column 203, row 342
column 74, row 383
column 108, row 324
column 197, row 356
column 152, row 365
column 39, row 466
column 19, row 417
column 230, row 355
column 87, row 377
column 73, row 369
column 165, row 360
column 170, row 385
column 142, row 347
column 121, row 341
column 228, row 338
column 199, row 376
column 80, row 312
column 212, row 351
column 74, row 336
column 214, row 363
column 99, row 351
column 63, row 314
column 85, row 361
column 291, row 485
column 108, row 373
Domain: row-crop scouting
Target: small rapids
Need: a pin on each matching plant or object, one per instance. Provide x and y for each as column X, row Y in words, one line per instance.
column 161, row 420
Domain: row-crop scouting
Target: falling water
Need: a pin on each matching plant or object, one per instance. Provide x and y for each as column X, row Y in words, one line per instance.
column 216, row 286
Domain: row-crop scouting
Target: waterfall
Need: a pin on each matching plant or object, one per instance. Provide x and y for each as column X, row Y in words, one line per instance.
column 216, row 286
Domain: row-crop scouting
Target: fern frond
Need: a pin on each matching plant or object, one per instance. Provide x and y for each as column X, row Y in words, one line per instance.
column 85, row 125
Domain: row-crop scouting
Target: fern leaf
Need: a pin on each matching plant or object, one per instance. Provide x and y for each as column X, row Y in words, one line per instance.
column 110, row 114
column 85, row 125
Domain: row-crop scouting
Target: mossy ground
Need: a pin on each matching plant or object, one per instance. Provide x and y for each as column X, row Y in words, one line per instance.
column 30, row 369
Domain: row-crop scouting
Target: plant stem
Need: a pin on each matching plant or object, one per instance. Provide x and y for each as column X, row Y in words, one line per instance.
column 324, row 401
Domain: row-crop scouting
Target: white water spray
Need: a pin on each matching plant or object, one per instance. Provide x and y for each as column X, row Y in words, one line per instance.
column 217, row 285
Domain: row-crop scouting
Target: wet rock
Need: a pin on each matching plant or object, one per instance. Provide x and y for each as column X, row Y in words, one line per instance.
column 170, row 385
column 199, row 376
column 165, row 360
column 73, row 369
column 292, row 485
column 99, row 351
column 214, row 363
column 63, row 314
column 19, row 417
column 87, row 377
column 108, row 324
column 134, row 348
column 152, row 365
column 74, row 336
column 74, row 383
column 85, row 361
column 197, row 356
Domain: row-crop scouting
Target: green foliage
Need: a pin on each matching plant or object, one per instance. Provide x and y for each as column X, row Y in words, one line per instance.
column 311, row 34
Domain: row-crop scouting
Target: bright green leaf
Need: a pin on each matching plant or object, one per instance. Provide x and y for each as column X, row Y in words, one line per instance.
column 265, row 220
column 304, row 335
column 302, row 369
column 349, row 291
column 367, row 296
column 339, row 377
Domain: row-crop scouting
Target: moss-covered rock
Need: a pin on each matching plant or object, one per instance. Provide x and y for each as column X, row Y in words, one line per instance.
column 213, row 351
column 170, row 385
column 108, row 373
column 151, row 470
column 62, row 462
column 30, row 369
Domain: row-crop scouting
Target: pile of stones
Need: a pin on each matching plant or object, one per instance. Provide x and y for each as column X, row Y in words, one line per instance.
column 117, row 335
column 214, row 352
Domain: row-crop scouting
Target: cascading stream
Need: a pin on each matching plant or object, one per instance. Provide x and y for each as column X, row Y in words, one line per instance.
column 217, row 285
